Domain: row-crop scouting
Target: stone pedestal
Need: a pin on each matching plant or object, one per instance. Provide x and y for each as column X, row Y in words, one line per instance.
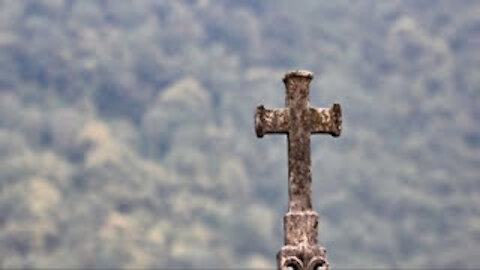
column 301, row 250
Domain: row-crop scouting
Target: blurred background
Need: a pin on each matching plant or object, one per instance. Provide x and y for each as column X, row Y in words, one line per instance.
column 127, row 136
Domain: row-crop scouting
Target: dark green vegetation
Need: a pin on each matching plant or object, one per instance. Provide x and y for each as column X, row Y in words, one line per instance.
column 127, row 137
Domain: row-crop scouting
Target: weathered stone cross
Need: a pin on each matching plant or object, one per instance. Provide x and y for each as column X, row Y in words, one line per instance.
column 298, row 121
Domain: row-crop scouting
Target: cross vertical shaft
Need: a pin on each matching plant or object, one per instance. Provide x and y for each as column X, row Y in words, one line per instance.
column 298, row 121
column 297, row 100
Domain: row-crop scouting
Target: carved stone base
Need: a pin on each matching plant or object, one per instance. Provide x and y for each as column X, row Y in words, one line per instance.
column 302, row 257
column 301, row 251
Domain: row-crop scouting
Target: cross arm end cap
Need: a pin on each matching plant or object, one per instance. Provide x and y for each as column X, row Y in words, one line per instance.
column 258, row 121
column 337, row 118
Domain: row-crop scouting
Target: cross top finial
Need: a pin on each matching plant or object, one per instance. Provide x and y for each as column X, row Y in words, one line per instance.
column 298, row 73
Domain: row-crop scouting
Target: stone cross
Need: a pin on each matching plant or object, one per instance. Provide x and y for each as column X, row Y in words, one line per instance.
column 298, row 120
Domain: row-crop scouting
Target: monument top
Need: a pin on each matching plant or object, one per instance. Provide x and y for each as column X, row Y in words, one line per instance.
column 298, row 120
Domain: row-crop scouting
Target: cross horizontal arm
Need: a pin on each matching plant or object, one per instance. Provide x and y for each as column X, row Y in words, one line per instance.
column 327, row 120
column 271, row 121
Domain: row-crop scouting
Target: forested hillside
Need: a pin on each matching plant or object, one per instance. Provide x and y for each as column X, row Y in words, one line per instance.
column 127, row 137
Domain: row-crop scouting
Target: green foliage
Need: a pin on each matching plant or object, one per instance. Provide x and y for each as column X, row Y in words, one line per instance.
column 127, row 138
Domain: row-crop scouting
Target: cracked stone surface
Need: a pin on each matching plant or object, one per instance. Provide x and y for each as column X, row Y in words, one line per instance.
column 298, row 120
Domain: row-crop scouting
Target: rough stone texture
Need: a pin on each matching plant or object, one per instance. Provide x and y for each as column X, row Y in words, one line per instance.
column 298, row 121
